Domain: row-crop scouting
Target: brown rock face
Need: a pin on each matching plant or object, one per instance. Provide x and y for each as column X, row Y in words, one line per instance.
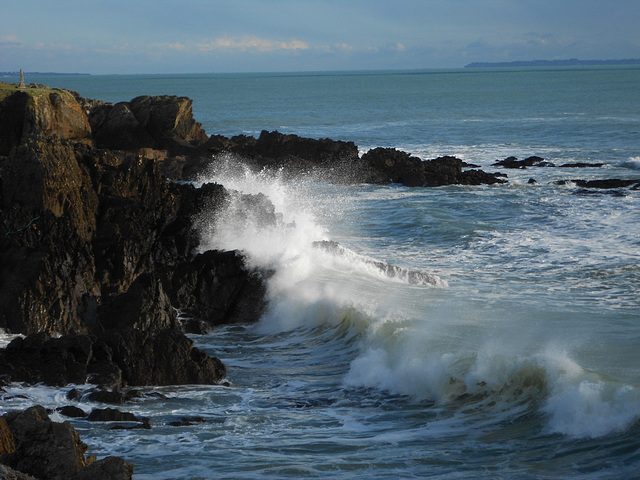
column 53, row 451
column 25, row 113
column 164, row 122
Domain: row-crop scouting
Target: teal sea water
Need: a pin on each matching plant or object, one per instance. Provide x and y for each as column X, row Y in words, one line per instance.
column 517, row 356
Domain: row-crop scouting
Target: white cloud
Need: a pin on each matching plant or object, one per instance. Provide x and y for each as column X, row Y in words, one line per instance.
column 9, row 41
column 251, row 43
column 168, row 46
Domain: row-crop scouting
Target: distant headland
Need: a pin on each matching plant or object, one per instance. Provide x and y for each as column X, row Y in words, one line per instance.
column 11, row 74
column 553, row 63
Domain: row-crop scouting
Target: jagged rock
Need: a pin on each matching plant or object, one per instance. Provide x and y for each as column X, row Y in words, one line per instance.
column 297, row 154
column 39, row 358
column 44, row 449
column 167, row 357
column 7, row 473
column 163, row 122
column 109, row 468
column 216, row 288
column 111, row 415
column 386, row 165
column 40, row 111
column 53, row 451
column 513, row 162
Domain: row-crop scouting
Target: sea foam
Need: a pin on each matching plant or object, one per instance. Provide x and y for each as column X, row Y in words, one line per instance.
column 408, row 344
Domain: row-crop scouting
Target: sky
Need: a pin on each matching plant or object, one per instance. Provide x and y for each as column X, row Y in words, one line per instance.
column 203, row 36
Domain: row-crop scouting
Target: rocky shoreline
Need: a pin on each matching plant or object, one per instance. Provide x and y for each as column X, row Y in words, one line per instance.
column 100, row 250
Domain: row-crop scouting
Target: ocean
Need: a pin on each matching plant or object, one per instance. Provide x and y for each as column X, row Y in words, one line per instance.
column 475, row 332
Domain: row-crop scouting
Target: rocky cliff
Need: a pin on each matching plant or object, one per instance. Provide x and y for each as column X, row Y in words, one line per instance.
column 98, row 250
column 95, row 239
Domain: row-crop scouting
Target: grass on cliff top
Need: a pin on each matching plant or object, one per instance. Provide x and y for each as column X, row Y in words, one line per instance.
column 7, row 89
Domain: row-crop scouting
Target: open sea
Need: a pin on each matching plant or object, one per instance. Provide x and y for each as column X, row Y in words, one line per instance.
column 459, row 332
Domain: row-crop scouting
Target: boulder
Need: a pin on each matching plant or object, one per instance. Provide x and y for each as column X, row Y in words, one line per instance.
column 44, row 449
column 109, row 468
column 53, row 451
column 111, row 415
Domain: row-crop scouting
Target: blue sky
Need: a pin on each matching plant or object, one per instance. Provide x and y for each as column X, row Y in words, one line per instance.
column 193, row 36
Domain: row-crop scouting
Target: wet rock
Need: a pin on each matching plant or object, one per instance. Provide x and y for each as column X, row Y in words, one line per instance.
column 384, row 165
column 296, row 154
column 187, row 422
column 71, row 411
column 111, row 415
column 109, row 468
column 216, row 288
column 167, row 357
column 581, row 165
column 51, row 451
column 513, row 162
column 40, row 358
column 44, row 449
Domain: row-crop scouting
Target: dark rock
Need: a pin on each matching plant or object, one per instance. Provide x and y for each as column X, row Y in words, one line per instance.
column 194, row 326
column 51, row 451
column 532, row 181
column 513, row 162
column 44, row 449
column 111, row 415
column 187, row 422
column 71, row 411
column 581, row 165
column 53, row 361
column 297, row 154
column 215, row 287
column 7, row 473
column 144, row 425
column 164, row 122
column 112, row 397
column 109, row 468
column 384, row 165
column 167, row 357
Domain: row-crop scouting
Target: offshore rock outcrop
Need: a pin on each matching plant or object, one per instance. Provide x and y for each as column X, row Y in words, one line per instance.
column 340, row 162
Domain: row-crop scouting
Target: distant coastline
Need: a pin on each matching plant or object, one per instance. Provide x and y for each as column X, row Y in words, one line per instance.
column 553, row 63
column 11, row 74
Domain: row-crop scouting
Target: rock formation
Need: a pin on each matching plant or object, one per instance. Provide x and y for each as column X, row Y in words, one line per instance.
column 34, row 445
